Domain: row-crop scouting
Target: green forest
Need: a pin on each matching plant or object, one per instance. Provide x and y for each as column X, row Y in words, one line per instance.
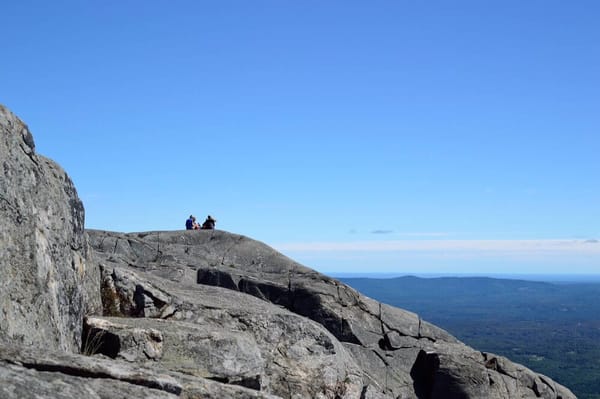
column 551, row 328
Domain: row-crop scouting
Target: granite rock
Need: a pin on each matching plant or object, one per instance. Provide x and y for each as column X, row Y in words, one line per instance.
column 201, row 314
column 47, row 285
column 399, row 354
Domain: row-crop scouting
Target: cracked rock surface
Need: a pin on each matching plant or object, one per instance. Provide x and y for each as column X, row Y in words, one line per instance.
column 46, row 285
column 398, row 354
column 200, row 314
column 33, row 373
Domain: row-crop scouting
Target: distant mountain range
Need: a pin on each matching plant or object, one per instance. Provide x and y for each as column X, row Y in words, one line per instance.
column 561, row 278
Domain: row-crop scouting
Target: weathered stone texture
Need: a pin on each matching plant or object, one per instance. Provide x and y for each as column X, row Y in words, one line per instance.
column 398, row 354
column 45, row 276
column 201, row 314
column 34, row 373
column 223, row 335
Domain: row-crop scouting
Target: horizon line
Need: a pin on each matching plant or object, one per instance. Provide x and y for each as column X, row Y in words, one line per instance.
column 493, row 245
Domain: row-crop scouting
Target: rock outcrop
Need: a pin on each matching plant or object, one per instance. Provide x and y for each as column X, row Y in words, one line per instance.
column 387, row 352
column 43, row 247
column 201, row 314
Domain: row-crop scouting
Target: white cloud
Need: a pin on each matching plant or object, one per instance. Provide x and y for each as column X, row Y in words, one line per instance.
column 449, row 256
column 478, row 246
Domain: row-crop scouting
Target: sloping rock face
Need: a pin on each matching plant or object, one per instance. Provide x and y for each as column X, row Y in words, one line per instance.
column 45, row 278
column 398, row 355
column 226, row 336
column 200, row 314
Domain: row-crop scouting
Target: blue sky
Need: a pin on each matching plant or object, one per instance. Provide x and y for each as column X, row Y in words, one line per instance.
column 392, row 136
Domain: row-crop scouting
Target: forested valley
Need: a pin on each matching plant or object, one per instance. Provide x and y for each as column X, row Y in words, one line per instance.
column 551, row 328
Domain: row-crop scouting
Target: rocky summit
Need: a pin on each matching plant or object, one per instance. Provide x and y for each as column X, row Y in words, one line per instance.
column 200, row 314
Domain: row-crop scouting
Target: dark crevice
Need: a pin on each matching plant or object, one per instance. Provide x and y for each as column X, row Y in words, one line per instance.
column 167, row 316
column 339, row 296
column 96, row 340
column 28, row 139
column 158, row 251
column 380, row 317
column 290, row 298
column 546, row 383
column 420, row 330
column 431, row 381
column 363, row 393
column 423, row 374
column 247, row 382
column 300, row 301
column 491, row 381
column 385, row 326
column 493, row 364
column 258, row 290
column 129, row 241
column 536, row 390
column 385, row 344
column 31, row 155
column 380, row 357
column 158, row 303
column 140, row 302
column 418, row 336
column 308, row 304
column 215, row 277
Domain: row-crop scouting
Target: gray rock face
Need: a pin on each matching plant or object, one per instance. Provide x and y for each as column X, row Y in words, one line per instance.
column 226, row 336
column 201, row 314
column 43, row 290
column 32, row 373
column 398, row 354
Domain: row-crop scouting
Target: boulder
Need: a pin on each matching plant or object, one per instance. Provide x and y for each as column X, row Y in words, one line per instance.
column 47, row 285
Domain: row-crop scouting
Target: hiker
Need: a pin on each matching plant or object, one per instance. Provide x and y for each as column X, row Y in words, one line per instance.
column 191, row 224
column 209, row 223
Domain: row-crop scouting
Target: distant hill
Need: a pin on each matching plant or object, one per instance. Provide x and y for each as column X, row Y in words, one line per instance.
column 554, row 328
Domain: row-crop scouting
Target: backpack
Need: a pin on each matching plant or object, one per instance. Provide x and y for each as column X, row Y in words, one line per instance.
column 189, row 224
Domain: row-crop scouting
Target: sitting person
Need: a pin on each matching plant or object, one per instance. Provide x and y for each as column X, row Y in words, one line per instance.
column 209, row 223
column 189, row 224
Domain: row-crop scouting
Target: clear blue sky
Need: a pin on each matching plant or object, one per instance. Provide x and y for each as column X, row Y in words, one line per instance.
column 393, row 136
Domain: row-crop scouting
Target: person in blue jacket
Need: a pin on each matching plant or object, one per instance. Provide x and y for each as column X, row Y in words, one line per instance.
column 189, row 224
